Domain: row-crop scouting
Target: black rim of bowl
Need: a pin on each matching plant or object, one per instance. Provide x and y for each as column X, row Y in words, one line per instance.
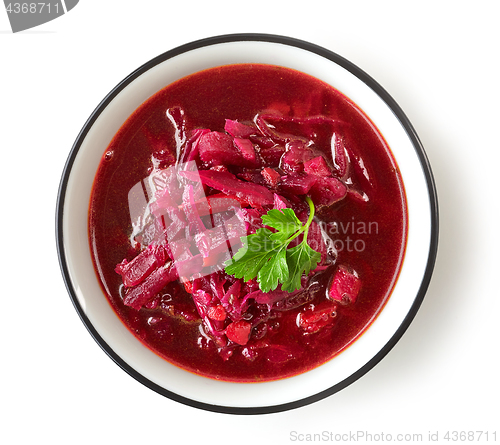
column 364, row 77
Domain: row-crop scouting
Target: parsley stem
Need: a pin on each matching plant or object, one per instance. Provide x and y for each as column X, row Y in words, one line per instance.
column 311, row 215
column 305, row 228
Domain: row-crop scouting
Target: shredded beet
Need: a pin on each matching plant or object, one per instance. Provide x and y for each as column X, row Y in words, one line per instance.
column 247, row 150
column 217, row 193
column 192, row 148
column 256, row 195
column 154, row 283
column 135, row 271
column 271, row 176
column 296, row 155
column 218, row 148
column 317, row 166
column 327, row 191
column 238, row 129
column 297, row 183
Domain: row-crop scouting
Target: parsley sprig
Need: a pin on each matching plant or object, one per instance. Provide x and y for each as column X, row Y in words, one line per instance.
column 265, row 254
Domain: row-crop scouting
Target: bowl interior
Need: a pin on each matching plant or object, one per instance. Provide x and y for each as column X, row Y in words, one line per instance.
column 97, row 313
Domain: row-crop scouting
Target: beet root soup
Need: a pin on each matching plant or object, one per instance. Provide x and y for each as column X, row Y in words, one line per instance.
column 247, row 223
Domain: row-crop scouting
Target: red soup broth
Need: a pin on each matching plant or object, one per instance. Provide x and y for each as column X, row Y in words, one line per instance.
column 301, row 137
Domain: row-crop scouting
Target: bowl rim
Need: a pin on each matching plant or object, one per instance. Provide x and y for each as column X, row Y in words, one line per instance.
column 380, row 92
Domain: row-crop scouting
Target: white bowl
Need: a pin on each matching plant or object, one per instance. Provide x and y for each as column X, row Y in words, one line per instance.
column 171, row 381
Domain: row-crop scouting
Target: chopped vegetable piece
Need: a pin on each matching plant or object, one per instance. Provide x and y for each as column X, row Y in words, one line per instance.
column 217, row 313
column 270, row 297
column 239, row 130
column 317, row 166
column 271, row 154
column 327, row 191
column 188, row 285
column 239, row 332
column 314, row 318
column 297, row 183
column 345, row 286
column 219, row 202
column 271, row 176
column 297, row 153
column 190, row 266
column 280, row 202
column 192, row 147
column 196, row 225
column 247, row 150
column 219, row 148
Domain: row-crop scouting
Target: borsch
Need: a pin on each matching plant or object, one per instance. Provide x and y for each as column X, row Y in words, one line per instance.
column 248, row 222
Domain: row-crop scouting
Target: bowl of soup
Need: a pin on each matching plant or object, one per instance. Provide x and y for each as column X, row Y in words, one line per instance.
column 247, row 223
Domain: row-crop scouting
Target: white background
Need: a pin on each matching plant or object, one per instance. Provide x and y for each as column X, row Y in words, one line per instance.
column 440, row 62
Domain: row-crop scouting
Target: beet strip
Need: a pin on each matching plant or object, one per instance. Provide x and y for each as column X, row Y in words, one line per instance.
column 153, row 284
column 256, row 195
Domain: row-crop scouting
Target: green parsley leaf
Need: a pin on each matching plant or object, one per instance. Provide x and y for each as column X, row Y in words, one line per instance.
column 265, row 254
column 256, row 251
column 274, row 271
column 284, row 221
column 301, row 259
